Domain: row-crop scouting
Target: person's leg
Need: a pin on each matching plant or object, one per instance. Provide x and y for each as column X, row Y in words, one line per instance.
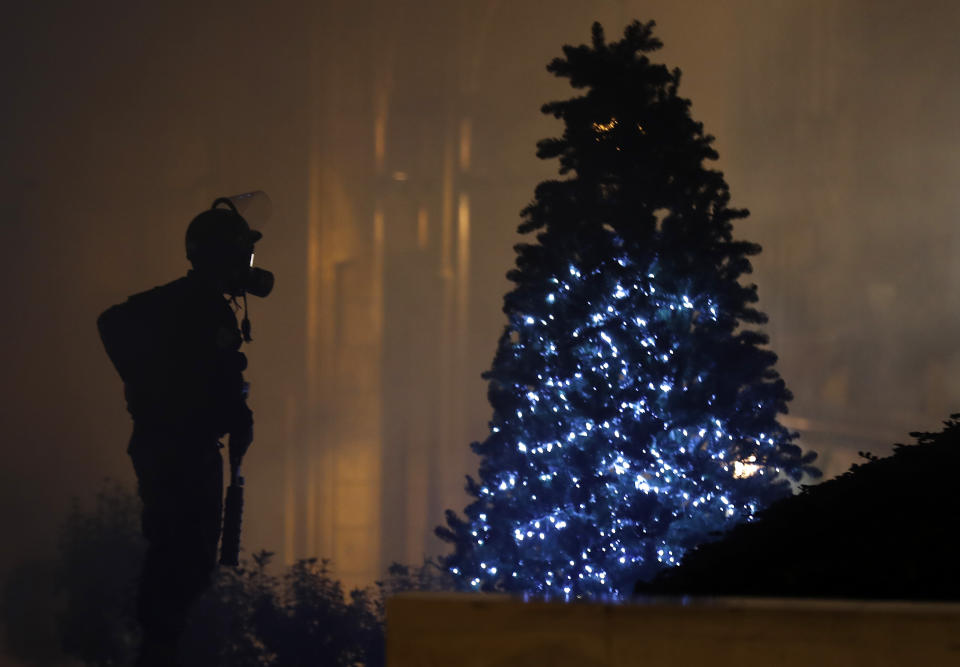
column 181, row 494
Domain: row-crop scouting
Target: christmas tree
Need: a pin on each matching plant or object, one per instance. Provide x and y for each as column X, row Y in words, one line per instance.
column 635, row 407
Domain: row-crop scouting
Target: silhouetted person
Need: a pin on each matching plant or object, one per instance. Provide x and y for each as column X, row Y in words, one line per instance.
column 177, row 349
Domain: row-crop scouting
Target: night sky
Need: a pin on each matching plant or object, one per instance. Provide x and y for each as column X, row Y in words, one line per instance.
column 837, row 125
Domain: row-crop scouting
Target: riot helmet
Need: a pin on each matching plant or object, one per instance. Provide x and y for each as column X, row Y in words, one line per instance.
column 220, row 243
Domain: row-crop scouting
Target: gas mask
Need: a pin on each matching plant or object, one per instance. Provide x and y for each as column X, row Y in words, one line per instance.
column 259, row 282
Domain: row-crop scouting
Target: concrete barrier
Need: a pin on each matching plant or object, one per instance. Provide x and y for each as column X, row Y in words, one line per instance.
column 464, row 630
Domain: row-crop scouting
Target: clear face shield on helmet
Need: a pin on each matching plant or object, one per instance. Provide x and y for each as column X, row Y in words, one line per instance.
column 254, row 207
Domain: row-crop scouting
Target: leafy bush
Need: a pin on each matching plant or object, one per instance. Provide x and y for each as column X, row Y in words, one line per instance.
column 882, row 530
column 249, row 617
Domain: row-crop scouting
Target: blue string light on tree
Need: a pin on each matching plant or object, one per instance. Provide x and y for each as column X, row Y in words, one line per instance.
column 635, row 407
